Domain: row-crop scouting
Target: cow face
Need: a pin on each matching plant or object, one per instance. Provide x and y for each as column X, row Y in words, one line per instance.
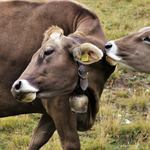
column 132, row 51
column 53, row 69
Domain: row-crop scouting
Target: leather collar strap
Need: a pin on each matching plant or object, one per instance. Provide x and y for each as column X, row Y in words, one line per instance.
column 82, row 73
column 74, row 38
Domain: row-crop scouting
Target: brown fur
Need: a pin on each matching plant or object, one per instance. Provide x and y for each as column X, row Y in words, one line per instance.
column 21, row 33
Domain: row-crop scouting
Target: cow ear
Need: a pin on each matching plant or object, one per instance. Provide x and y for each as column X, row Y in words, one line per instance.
column 87, row 53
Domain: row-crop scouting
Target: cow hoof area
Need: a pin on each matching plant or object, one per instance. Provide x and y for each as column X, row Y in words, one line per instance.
column 78, row 103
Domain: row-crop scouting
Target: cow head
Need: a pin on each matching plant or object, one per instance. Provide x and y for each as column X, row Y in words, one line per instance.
column 53, row 69
column 132, row 51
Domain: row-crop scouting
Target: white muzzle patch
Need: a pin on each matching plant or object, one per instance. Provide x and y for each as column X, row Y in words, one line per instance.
column 25, row 87
column 112, row 58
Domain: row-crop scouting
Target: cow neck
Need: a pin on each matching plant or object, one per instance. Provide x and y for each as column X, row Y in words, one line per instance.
column 82, row 73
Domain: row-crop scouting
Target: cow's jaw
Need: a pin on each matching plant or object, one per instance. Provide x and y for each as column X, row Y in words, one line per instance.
column 48, row 94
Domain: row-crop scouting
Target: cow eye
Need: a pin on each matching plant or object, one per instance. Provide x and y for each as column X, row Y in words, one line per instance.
column 147, row 39
column 48, row 52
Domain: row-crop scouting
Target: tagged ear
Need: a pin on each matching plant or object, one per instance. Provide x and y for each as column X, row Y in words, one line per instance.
column 53, row 32
column 87, row 53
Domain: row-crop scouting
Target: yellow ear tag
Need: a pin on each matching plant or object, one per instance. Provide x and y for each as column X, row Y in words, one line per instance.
column 85, row 57
column 87, row 75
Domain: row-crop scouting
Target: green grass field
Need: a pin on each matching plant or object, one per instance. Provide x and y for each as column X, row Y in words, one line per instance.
column 123, row 122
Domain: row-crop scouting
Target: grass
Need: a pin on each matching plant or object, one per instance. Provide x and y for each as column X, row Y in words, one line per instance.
column 125, row 97
column 110, row 132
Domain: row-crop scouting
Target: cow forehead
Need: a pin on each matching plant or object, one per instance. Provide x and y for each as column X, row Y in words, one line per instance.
column 54, row 42
column 141, row 34
column 55, row 38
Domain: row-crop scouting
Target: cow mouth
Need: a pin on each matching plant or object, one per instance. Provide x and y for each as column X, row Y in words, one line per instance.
column 111, row 61
column 119, row 62
column 27, row 97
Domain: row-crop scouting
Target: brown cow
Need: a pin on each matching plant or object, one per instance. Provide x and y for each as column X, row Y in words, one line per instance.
column 52, row 72
column 21, row 28
column 131, row 51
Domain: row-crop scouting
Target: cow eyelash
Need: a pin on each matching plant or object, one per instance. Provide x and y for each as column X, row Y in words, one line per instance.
column 48, row 52
column 147, row 39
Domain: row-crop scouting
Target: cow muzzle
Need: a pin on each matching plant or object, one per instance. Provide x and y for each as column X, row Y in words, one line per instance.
column 111, row 51
column 23, row 91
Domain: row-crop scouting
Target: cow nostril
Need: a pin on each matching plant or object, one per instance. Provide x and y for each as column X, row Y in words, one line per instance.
column 108, row 46
column 18, row 85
